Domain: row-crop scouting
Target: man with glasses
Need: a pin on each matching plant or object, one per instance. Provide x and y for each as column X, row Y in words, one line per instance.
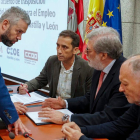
column 104, row 102
column 126, row 127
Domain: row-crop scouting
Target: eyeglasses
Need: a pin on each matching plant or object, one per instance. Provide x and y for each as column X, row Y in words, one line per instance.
column 87, row 50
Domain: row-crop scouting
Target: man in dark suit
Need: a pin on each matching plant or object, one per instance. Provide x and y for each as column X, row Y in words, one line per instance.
column 100, row 104
column 128, row 125
column 67, row 74
column 13, row 23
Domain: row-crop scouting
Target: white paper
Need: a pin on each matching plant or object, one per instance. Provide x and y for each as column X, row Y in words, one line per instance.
column 26, row 99
column 36, row 119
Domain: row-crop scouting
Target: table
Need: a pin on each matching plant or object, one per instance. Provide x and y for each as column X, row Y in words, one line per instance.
column 42, row 132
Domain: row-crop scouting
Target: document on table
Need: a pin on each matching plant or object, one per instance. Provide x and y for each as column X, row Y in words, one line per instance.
column 26, row 99
column 37, row 120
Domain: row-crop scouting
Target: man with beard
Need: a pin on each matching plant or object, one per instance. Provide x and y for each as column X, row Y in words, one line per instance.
column 126, row 127
column 13, row 23
column 104, row 102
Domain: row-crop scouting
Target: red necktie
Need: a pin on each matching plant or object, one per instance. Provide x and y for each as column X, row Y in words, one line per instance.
column 100, row 82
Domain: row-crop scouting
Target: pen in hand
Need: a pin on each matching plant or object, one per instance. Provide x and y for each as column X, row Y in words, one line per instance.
column 26, row 91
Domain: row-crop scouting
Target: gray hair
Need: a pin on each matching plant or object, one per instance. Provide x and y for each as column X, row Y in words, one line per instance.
column 14, row 14
column 135, row 63
column 107, row 41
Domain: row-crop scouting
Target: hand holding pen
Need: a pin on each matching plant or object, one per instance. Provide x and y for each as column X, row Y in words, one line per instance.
column 23, row 89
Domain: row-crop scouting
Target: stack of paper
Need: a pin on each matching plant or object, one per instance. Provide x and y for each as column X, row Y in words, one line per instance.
column 37, row 120
column 26, row 99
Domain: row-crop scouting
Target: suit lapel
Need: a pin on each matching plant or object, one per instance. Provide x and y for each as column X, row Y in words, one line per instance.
column 94, row 85
column 104, row 86
column 105, row 83
column 75, row 76
column 56, row 71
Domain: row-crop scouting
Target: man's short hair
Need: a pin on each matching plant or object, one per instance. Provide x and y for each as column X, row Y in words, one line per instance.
column 14, row 14
column 107, row 41
column 134, row 66
column 135, row 63
column 75, row 37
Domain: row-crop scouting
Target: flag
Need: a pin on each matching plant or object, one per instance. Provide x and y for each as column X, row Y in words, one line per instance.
column 94, row 19
column 112, row 15
column 75, row 19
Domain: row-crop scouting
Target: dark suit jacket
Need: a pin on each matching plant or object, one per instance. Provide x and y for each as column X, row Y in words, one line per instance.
column 109, row 103
column 126, row 127
column 81, row 77
column 8, row 112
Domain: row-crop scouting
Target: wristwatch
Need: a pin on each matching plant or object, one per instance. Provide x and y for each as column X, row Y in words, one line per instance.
column 65, row 118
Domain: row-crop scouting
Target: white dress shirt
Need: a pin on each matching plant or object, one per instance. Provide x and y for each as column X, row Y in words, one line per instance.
column 64, row 82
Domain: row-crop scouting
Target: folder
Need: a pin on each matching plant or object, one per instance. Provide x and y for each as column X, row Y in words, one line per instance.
column 37, row 120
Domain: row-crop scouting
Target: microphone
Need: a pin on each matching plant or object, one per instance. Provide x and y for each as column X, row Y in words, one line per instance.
column 11, row 134
column 26, row 135
column 4, row 126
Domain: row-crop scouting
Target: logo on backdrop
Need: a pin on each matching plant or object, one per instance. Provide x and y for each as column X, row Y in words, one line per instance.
column 1, row 51
column 30, row 57
column 13, row 53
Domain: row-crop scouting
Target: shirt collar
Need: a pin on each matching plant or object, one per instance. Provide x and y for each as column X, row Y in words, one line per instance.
column 109, row 66
column 71, row 68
